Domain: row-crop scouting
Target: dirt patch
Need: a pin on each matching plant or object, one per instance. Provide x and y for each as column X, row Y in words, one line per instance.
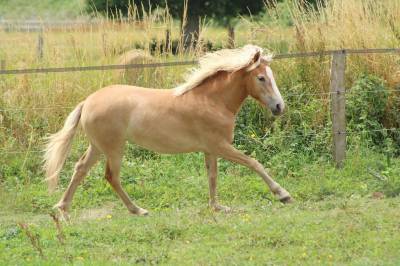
column 96, row 213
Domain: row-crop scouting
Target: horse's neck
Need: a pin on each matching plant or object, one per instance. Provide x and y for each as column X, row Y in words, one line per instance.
column 225, row 89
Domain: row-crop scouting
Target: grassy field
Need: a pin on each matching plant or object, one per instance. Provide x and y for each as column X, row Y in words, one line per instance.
column 348, row 216
column 332, row 232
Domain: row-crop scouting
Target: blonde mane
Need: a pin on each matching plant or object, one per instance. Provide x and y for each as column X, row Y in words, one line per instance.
column 229, row 60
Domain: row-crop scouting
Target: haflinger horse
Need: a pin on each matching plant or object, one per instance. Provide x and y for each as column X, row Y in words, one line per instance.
column 197, row 116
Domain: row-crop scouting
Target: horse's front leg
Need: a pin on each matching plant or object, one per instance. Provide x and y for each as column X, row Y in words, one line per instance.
column 212, row 171
column 230, row 153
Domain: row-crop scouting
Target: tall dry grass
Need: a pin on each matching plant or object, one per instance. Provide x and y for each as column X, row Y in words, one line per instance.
column 341, row 24
column 356, row 24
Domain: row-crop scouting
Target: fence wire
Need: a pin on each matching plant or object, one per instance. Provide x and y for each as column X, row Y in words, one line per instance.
column 190, row 62
column 289, row 95
column 257, row 139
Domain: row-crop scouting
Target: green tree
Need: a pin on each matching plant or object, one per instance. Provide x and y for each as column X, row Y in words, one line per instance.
column 222, row 11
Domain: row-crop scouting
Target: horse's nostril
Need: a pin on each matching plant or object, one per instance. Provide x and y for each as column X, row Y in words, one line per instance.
column 278, row 107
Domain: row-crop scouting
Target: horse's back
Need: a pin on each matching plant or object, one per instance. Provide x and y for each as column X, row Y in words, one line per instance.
column 107, row 113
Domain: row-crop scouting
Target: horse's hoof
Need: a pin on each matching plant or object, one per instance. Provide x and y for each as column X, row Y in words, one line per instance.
column 63, row 213
column 221, row 208
column 141, row 212
column 286, row 200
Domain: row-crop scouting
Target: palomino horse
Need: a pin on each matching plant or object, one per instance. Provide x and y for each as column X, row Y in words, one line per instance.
column 198, row 116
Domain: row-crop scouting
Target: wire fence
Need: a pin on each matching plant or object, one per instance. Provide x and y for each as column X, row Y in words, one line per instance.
column 288, row 95
column 333, row 95
column 189, row 62
column 257, row 139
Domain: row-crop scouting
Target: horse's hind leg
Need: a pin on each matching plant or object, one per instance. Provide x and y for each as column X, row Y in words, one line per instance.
column 113, row 167
column 88, row 159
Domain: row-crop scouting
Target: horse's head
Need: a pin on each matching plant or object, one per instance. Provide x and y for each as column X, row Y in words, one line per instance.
column 261, row 85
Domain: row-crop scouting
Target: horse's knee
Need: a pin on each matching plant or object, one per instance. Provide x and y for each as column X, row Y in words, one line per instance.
column 81, row 168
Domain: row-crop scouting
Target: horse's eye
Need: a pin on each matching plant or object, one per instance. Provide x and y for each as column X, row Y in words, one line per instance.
column 261, row 78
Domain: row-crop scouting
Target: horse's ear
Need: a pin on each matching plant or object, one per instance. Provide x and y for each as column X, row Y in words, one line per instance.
column 254, row 61
column 256, row 57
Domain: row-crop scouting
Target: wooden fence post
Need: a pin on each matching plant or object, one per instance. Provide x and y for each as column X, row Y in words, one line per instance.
column 40, row 45
column 231, row 37
column 338, row 97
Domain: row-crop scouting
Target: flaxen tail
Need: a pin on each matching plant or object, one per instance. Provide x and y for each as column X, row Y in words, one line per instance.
column 58, row 147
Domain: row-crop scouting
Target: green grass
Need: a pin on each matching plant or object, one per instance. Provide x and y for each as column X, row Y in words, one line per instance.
column 352, row 231
column 335, row 219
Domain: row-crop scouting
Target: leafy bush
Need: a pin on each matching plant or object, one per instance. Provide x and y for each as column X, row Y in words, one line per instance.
column 303, row 130
column 366, row 104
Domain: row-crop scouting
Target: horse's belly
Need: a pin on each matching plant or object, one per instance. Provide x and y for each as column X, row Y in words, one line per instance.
column 165, row 136
column 163, row 144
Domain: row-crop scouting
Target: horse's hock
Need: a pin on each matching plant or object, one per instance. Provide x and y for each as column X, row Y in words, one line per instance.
column 132, row 75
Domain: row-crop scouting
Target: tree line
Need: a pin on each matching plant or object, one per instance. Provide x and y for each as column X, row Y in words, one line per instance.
column 221, row 11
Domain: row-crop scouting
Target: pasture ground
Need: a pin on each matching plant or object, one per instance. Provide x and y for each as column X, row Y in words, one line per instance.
column 338, row 217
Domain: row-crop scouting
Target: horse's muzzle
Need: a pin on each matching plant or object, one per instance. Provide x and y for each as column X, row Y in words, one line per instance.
column 278, row 109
